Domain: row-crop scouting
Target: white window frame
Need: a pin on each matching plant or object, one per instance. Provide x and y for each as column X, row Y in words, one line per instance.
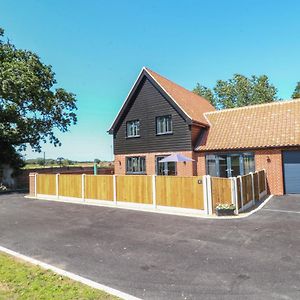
column 163, row 126
column 136, row 165
column 133, row 128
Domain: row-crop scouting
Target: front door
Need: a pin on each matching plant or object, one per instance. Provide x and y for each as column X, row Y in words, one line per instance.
column 229, row 165
column 234, row 166
column 223, row 166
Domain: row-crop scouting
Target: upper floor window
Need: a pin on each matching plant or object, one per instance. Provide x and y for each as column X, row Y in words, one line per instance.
column 164, row 125
column 136, row 165
column 133, row 128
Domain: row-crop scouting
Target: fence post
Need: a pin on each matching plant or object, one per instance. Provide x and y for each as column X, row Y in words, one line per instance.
column 205, row 194
column 234, row 195
column 258, row 184
column 115, row 189
column 83, row 187
column 35, row 184
column 57, row 185
column 242, row 195
column 209, row 196
column 252, row 182
column 265, row 174
column 154, row 190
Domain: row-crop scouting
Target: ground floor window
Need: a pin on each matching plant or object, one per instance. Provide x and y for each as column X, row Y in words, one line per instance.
column 136, row 165
column 166, row 168
column 230, row 165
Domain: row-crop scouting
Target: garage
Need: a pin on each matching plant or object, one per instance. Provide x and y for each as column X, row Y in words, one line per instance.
column 291, row 165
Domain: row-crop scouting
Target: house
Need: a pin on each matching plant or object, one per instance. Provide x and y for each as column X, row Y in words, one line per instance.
column 160, row 117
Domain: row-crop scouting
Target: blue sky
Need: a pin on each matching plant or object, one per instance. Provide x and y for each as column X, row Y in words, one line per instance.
column 97, row 49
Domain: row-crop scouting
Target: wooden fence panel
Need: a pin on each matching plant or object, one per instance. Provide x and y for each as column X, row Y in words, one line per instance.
column 262, row 181
column 70, row 185
column 99, row 187
column 221, row 191
column 175, row 191
column 46, row 184
column 247, row 188
column 256, row 188
column 134, row 188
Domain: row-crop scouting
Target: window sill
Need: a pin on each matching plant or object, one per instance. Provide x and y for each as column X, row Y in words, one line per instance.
column 167, row 133
column 133, row 137
column 136, row 173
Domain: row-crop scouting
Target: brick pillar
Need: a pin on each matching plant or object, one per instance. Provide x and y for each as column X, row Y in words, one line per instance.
column 119, row 164
column 271, row 161
column 32, row 184
column 200, row 163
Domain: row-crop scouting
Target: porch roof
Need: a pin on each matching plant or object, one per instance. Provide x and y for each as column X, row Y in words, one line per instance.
column 258, row 126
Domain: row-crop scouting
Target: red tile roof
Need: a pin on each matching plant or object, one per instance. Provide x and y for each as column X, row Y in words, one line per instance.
column 193, row 105
column 265, row 125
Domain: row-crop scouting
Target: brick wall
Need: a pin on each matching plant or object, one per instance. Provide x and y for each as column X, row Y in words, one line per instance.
column 183, row 169
column 268, row 159
column 271, row 161
column 200, row 163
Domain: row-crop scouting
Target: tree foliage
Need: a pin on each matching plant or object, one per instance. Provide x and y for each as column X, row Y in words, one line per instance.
column 296, row 93
column 239, row 91
column 31, row 109
column 206, row 93
column 10, row 156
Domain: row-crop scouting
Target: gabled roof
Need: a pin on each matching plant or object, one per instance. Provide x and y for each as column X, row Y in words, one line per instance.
column 193, row 105
column 258, row 126
column 190, row 105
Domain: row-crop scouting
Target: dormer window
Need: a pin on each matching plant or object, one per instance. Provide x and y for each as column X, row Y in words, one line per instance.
column 164, row 125
column 133, row 128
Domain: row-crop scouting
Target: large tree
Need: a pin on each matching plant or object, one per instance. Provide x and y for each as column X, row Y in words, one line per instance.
column 296, row 93
column 239, row 91
column 31, row 108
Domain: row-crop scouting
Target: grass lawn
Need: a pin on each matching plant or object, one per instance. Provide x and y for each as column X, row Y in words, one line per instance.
column 20, row 280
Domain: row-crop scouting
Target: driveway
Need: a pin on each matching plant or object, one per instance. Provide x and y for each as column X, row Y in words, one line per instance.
column 157, row 256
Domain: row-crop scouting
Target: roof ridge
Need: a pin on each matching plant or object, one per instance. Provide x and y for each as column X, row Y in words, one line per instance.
column 279, row 102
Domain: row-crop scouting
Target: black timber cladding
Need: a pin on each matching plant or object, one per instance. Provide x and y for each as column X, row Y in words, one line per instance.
column 147, row 103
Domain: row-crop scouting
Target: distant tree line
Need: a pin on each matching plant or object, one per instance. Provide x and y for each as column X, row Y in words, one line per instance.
column 49, row 162
column 60, row 161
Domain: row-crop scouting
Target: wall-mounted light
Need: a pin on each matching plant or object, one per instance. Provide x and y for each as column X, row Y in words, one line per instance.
column 268, row 159
column 120, row 163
